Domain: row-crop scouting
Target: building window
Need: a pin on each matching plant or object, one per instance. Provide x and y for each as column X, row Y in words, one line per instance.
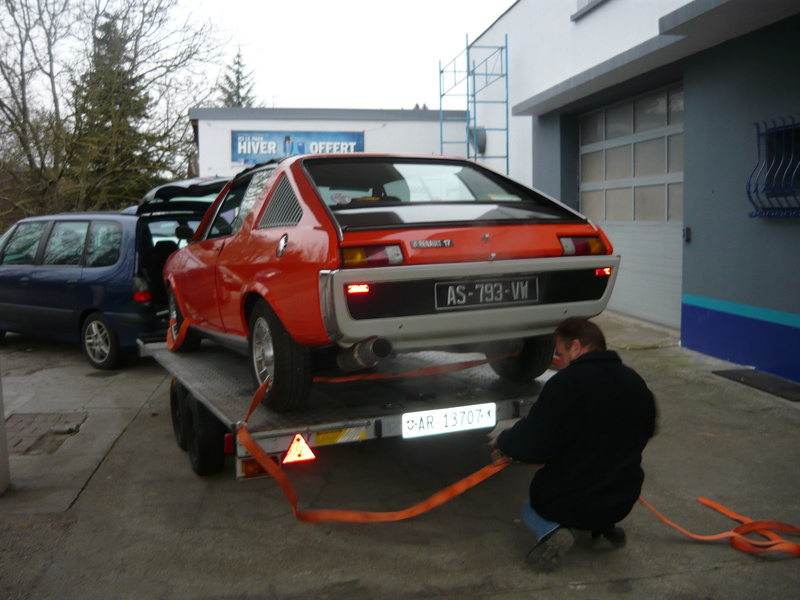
column 631, row 159
column 774, row 184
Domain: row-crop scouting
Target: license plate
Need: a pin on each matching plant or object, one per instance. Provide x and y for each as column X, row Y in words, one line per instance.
column 449, row 420
column 485, row 293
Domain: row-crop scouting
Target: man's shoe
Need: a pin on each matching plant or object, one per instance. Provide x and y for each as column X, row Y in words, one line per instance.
column 615, row 536
column 546, row 554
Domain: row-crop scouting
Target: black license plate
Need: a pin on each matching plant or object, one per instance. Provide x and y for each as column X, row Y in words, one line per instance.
column 486, row 293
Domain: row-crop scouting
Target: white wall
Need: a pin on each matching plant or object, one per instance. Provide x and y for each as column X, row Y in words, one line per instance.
column 407, row 136
column 546, row 48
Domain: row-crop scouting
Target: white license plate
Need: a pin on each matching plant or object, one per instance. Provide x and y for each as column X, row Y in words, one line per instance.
column 449, row 420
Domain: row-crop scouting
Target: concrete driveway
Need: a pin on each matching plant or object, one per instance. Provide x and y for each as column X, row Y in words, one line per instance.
column 104, row 505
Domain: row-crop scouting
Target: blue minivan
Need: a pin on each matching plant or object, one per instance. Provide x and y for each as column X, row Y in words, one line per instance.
column 95, row 277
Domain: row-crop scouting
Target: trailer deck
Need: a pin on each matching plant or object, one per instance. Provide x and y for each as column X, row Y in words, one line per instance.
column 352, row 410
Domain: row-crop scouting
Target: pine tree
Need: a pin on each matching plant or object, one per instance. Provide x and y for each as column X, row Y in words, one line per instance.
column 113, row 158
column 236, row 89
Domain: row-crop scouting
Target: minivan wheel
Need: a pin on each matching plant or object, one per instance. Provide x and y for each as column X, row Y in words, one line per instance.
column 534, row 357
column 275, row 355
column 100, row 343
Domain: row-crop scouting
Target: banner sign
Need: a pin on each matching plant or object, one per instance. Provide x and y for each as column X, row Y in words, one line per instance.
column 251, row 147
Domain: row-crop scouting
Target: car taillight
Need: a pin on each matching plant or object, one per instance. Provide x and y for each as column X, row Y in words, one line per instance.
column 603, row 272
column 580, row 246
column 357, row 288
column 141, row 291
column 371, row 256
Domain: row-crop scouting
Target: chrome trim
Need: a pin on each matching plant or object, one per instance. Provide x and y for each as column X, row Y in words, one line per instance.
column 326, row 304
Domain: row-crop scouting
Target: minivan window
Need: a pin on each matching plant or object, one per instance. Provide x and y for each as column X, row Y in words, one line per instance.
column 65, row 244
column 21, row 248
column 104, row 244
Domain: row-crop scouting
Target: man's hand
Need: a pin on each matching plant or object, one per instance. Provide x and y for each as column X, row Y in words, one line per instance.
column 495, row 453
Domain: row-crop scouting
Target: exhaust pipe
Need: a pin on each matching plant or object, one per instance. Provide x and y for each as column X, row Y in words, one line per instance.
column 364, row 354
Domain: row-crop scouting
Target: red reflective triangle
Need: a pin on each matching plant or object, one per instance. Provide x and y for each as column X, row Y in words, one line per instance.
column 298, row 451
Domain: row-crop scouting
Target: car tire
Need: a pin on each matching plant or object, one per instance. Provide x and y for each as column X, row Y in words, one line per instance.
column 191, row 341
column 205, row 438
column 274, row 354
column 534, row 358
column 100, row 343
column 178, row 407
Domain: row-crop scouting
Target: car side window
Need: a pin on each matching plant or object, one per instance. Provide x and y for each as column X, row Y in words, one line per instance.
column 21, row 248
column 229, row 209
column 250, row 197
column 65, row 244
column 103, row 248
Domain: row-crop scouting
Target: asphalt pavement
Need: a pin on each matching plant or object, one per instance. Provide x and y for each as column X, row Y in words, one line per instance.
column 103, row 504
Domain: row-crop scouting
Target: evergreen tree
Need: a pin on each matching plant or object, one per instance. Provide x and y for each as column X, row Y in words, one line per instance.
column 236, row 89
column 114, row 156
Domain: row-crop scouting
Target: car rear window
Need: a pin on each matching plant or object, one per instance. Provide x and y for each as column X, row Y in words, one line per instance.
column 375, row 192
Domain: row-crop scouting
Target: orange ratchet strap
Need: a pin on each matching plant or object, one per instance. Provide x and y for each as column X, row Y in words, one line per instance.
column 737, row 537
column 353, row 516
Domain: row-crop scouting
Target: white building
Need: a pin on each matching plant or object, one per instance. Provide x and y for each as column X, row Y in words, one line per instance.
column 675, row 124
column 229, row 139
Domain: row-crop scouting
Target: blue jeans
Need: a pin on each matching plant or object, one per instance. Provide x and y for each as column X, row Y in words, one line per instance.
column 539, row 526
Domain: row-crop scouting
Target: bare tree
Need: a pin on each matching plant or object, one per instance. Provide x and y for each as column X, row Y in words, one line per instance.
column 46, row 51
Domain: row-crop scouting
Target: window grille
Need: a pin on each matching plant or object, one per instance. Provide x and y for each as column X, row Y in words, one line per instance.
column 283, row 209
column 774, row 185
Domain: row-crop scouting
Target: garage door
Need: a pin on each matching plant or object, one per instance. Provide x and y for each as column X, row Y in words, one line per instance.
column 631, row 183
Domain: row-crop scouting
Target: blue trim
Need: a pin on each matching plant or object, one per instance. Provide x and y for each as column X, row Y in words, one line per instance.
column 770, row 343
column 744, row 310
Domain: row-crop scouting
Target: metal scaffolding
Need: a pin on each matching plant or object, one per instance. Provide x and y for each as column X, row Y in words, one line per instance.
column 478, row 77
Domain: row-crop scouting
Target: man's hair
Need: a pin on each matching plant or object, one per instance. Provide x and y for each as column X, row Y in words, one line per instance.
column 583, row 330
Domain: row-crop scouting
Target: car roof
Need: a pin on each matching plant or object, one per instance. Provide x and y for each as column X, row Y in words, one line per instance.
column 178, row 195
column 78, row 216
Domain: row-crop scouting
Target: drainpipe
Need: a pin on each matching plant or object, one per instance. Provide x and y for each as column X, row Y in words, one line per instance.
column 5, row 470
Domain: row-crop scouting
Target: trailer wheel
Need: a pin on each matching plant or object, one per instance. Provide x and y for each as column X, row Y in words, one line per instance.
column 274, row 354
column 191, row 341
column 177, row 406
column 534, row 357
column 205, row 438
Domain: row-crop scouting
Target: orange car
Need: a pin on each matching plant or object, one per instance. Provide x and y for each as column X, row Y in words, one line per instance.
column 368, row 255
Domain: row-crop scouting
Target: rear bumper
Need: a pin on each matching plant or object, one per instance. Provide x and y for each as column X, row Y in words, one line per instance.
column 131, row 326
column 415, row 322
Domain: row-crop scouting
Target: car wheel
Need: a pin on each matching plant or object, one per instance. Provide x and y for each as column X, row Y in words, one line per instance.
column 191, row 341
column 100, row 343
column 177, row 405
column 275, row 355
column 205, row 438
column 534, row 357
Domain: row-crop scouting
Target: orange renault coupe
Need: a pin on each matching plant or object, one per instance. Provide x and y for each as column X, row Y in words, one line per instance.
column 369, row 255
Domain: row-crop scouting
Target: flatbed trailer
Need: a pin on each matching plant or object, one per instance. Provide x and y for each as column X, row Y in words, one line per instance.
column 212, row 390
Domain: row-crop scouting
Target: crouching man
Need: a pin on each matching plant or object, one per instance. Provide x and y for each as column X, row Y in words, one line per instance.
column 588, row 429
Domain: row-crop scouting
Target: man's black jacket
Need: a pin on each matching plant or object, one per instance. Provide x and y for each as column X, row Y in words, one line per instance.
column 588, row 427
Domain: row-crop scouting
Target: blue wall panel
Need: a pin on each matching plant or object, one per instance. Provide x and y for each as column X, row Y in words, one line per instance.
column 769, row 342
